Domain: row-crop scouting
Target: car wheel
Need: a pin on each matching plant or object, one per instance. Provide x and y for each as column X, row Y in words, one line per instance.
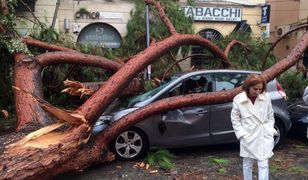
column 131, row 144
column 278, row 139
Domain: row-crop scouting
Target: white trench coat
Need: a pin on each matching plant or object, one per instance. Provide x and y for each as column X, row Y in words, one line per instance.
column 254, row 126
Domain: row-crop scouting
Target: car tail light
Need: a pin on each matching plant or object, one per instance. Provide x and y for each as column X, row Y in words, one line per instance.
column 281, row 91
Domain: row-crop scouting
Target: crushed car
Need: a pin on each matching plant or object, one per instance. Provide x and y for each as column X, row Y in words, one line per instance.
column 188, row 126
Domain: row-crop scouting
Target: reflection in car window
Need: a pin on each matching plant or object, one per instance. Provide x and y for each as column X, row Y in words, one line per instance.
column 176, row 91
column 150, row 93
column 196, row 84
column 226, row 81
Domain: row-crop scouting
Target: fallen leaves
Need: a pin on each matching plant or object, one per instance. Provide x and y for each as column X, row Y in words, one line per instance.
column 110, row 156
column 145, row 166
column 140, row 165
column 153, row 171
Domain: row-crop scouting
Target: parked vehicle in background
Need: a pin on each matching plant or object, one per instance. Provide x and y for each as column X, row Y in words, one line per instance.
column 299, row 117
column 189, row 126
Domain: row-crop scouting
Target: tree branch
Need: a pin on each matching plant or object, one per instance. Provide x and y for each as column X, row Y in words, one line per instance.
column 233, row 43
column 137, row 63
column 44, row 45
column 50, row 58
column 288, row 62
column 278, row 40
column 163, row 16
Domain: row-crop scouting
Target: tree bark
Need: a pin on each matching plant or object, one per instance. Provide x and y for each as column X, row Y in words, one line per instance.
column 44, row 45
column 27, row 77
column 61, row 57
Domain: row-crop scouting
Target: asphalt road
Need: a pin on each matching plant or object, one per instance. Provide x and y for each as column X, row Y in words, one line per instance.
column 290, row 162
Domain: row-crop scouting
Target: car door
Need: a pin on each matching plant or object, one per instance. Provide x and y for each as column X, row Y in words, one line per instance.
column 186, row 126
column 221, row 128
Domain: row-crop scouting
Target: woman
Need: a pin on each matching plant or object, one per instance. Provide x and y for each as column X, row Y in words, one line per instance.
column 253, row 122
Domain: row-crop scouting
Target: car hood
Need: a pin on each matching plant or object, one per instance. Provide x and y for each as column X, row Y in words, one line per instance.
column 119, row 114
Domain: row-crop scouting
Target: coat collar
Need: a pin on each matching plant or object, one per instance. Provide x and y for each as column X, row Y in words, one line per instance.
column 244, row 97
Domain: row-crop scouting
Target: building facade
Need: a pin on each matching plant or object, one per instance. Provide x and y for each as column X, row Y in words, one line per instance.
column 285, row 16
column 100, row 22
column 103, row 22
column 214, row 19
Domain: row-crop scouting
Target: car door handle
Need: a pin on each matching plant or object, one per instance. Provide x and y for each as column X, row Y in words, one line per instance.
column 202, row 111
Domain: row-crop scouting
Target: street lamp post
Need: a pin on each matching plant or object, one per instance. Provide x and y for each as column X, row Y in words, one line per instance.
column 147, row 73
column 55, row 14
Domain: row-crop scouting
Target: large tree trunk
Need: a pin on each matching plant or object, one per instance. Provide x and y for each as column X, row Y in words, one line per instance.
column 27, row 76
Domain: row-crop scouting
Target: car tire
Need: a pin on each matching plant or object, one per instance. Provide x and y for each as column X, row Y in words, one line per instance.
column 279, row 138
column 130, row 145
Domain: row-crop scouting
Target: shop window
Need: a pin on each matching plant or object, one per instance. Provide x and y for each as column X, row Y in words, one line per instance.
column 100, row 35
column 242, row 27
column 25, row 6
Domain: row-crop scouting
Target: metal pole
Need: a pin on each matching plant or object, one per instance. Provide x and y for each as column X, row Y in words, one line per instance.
column 147, row 74
column 55, row 14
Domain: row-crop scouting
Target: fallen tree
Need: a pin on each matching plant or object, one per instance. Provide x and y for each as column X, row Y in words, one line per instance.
column 68, row 144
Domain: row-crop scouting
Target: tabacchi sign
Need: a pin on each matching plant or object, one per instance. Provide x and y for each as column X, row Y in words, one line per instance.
column 229, row 14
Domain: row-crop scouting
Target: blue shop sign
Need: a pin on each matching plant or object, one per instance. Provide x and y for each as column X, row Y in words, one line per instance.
column 266, row 11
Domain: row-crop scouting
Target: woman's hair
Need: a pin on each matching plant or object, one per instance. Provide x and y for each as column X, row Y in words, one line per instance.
column 253, row 80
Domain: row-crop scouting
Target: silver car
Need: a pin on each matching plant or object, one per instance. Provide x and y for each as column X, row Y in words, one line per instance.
column 188, row 126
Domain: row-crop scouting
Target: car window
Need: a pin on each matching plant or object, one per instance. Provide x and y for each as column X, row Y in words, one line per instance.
column 150, row 93
column 226, row 81
column 176, row 91
column 194, row 84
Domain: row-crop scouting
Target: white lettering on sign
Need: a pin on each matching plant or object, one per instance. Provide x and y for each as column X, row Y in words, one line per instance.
column 103, row 37
column 214, row 13
column 110, row 15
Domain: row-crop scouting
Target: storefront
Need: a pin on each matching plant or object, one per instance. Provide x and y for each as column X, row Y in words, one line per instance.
column 103, row 23
column 100, row 23
column 216, row 19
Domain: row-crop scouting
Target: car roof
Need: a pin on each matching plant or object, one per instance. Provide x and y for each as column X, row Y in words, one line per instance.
column 192, row 73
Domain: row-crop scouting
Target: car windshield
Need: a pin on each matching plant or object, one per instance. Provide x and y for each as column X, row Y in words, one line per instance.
column 150, row 93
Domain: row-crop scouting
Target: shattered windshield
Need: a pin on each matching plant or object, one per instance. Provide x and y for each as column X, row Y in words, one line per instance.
column 150, row 93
